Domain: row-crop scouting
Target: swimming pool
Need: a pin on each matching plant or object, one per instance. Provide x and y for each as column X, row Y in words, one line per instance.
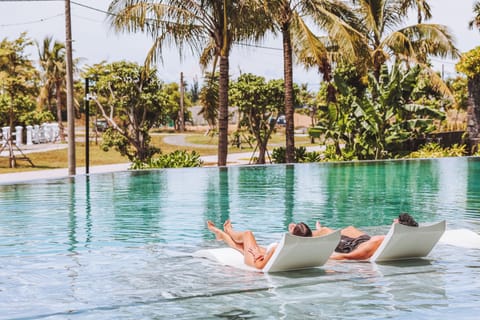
column 118, row 245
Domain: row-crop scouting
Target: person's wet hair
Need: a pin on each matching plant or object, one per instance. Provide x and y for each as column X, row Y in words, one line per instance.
column 406, row 219
column 302, row 230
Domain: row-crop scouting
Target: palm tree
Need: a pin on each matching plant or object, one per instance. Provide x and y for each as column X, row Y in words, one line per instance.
column 411, row 44
column 423, row 9
column 208, row 98
column 290, row 19
column 208, row 27
column 475, row 22
column 52, row 62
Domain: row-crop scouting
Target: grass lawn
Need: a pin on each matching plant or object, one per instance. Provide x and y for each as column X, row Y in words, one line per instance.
column 59, row 158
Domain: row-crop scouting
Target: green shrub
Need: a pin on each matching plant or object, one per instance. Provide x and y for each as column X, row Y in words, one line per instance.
column 175, row 159
column 312, row 157
column 278, row 154
column 456, row 151
column 330, row 154
column 434, row 150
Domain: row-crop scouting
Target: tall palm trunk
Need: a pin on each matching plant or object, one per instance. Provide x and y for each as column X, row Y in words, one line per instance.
column 289, row 108
column 58, row 93
column 223, row 112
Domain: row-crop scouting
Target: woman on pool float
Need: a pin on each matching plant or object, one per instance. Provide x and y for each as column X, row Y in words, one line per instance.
column 244, row 241
column 357, row 245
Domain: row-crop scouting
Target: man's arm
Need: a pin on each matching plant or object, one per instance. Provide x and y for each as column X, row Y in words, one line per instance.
column 320, row 231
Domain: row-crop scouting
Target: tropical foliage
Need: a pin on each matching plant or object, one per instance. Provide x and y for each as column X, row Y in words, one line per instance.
column 290, row 19
column 208, row 98
column 206, row 27
column 475, row 22
column 386, row 37
column 372, row 119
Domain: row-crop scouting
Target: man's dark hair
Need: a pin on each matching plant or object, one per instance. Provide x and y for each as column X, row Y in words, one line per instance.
column 406, row 219
column 302, row 230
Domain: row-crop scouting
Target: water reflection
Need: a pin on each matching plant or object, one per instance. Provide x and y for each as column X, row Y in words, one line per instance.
column 217, row 195
column 473, row 189
column 115, row 244
column 290, row 195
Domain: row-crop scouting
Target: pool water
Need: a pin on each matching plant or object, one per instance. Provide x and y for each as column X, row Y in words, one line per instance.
column 119, row 245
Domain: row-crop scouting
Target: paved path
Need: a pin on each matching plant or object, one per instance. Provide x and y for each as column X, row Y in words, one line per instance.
column 242, row 158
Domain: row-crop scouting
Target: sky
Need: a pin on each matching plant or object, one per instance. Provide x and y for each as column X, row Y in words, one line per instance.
column 95, row 41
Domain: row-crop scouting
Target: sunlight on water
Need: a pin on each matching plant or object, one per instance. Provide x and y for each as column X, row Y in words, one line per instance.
column 118, row 246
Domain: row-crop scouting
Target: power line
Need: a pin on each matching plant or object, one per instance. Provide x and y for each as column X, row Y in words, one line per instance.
column 92, row 8
column 31, row 22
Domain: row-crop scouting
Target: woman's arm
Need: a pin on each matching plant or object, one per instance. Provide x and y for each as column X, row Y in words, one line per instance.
column 259, row 257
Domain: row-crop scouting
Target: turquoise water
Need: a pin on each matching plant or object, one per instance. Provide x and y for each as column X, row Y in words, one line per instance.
column 118, row 246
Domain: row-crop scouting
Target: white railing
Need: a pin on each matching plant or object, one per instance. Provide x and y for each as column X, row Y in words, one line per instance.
column 45, row 133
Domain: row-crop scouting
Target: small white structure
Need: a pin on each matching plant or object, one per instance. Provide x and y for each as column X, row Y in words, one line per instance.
column 5, row 135
column 29, row 135
column 18, row 135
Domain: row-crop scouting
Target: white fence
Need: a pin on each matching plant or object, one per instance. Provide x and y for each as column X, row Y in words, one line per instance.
column 45, row 133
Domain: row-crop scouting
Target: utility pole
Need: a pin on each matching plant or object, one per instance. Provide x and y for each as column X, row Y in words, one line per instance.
column 70, row 110
column 181, row 115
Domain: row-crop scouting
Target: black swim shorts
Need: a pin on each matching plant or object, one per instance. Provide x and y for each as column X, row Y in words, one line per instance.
column 348, row 244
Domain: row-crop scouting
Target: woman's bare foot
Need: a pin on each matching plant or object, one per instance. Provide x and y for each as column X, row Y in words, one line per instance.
column 318, row 226
column 227, row 226
column 218, row 233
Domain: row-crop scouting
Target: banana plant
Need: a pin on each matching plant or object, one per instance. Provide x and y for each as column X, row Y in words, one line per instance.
column 371, row 120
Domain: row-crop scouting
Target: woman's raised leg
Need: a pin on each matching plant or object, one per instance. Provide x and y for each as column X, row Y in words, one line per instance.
column 223, row 236
column 237, row 236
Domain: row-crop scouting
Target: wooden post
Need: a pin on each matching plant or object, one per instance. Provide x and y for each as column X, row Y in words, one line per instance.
column 181, row 115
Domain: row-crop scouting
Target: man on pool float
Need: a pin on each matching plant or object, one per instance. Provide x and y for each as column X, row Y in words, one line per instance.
column 357, row 245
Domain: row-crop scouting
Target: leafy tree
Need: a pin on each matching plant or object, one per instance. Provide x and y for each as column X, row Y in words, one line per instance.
column 130, row 99
column 260, row 103
column 18, row 84
column 194, row 90
column 469, row 65
column 459, row 87
column 171, row 94
column 208, row 27
column 53, row 66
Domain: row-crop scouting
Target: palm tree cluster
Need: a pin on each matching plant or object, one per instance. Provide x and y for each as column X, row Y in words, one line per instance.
column 320, row 33
column 52, row 63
